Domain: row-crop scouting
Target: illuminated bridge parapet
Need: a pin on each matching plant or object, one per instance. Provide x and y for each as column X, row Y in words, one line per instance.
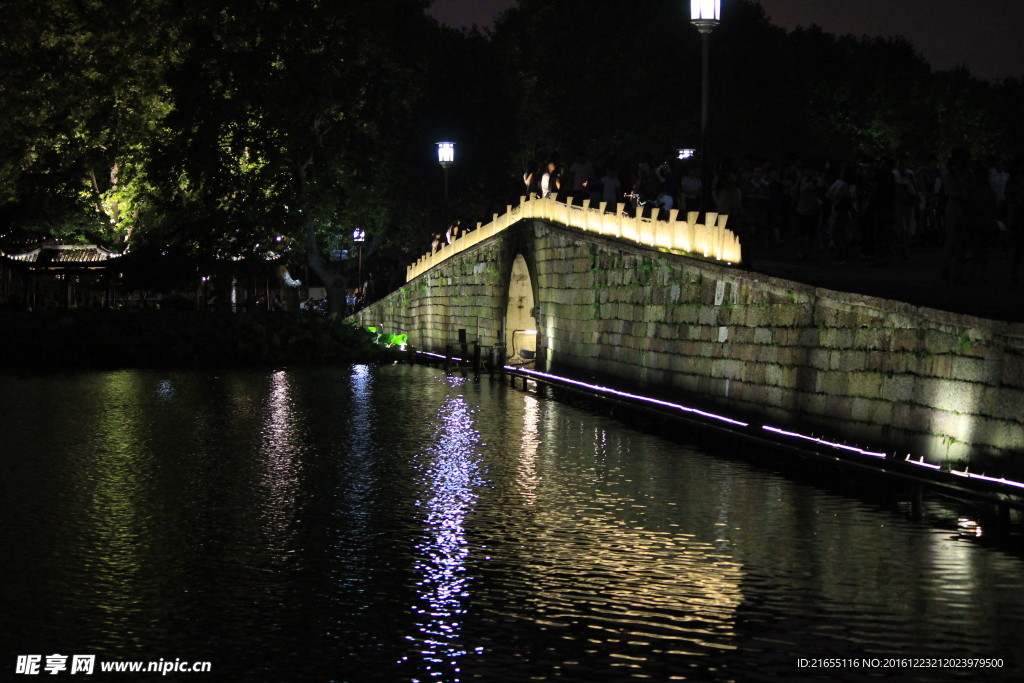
column 710, row 239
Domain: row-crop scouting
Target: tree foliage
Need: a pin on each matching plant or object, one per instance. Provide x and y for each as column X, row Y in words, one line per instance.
column 229, row 128
column 82, row 94
column 626, row 80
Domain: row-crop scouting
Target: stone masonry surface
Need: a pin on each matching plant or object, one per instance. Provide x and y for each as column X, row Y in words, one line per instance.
column 859, row 369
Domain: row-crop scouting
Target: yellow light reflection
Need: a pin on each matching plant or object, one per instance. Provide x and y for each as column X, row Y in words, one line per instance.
column 118, row 533
column 602, row 557
column 527, row 479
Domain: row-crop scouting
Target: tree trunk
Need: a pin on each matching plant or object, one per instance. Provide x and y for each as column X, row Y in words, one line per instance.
column 334, row 282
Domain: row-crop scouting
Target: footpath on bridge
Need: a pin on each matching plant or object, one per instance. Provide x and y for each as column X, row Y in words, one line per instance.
column 915, row 280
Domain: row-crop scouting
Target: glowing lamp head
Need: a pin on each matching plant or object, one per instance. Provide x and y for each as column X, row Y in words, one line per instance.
column 705, row 14
column 686, row 153
column 445, row 153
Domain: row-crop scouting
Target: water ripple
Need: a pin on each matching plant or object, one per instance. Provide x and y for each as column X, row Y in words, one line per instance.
column 394, row 523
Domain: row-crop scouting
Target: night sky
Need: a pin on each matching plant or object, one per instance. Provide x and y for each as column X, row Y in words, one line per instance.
column 985, row 35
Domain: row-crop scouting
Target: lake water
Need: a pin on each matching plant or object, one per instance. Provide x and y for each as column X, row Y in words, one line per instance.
column 396, row 524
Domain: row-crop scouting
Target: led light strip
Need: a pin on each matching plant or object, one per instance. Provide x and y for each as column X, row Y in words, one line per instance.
column 922, row 463
column 615, row 392
column 832, row 444
column 997, row 480
column 437, row 355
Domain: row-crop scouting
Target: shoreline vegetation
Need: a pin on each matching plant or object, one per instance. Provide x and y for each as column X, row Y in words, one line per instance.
column 99, row 339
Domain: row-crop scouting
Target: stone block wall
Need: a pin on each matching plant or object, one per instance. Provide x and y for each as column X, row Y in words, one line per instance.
column 468, row 292
column 862, row 370
column 859, row 369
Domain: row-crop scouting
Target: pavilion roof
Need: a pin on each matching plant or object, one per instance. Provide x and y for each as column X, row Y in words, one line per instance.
column 63, row 255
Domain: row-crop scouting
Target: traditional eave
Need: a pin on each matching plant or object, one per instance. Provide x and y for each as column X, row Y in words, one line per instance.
column 63, row 257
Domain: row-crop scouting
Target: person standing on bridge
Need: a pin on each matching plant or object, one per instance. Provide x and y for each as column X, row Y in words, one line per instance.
column 531, row 179
column 905, row 201
column 611, row 188
column 455, row 231
column 756, row 199
column 668, row 185
column 1015, row 216
column 690, row 188
column 550, row 182
column 647, row 186
column 956, row 184
column 809, row 190
column 582, row 175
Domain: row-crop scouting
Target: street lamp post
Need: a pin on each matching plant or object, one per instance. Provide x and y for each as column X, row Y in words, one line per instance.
column 705, row 15
column 359, row 236
column 445, row 157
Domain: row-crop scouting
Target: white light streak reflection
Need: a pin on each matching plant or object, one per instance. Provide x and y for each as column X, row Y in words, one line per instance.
column 165, row 390
column 451, row 472
column 358, row 464
column 361, row 414
column 280, row 479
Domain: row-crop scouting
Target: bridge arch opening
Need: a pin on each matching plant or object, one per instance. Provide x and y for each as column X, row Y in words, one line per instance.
column 520, row 314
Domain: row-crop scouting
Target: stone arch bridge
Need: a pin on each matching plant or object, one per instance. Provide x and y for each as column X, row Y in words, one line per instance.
column 583, row 292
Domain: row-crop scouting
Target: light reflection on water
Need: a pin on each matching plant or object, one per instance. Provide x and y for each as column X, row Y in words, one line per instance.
column 527, row 479
column 450, row 466
column 115, row 530
column 605, row 585
column 391, row 523
column 281, row 452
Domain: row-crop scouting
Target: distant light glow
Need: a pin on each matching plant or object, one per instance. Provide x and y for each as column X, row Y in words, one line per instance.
column 823, row 442
column 687, row 153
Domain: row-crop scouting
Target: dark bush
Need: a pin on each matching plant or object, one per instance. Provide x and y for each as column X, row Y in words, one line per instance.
column 95, row 338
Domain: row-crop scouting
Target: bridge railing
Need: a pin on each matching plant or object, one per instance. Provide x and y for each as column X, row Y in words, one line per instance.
column 710, row 239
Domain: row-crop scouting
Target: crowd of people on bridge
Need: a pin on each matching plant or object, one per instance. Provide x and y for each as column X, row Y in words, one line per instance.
column 863, row 210
column 869, row 211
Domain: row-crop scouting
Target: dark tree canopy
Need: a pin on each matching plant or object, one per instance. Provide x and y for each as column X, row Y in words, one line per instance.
column 229, row 128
